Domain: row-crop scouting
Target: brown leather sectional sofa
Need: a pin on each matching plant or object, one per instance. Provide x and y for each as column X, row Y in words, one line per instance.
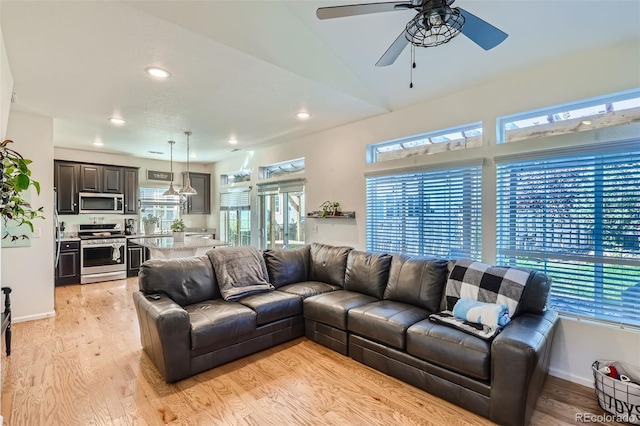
column 371, row 307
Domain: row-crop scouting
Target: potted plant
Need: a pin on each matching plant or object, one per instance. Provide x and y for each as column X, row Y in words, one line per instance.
column 330, row 208
column 178, row 227
column 16, row 178
column 150, row 222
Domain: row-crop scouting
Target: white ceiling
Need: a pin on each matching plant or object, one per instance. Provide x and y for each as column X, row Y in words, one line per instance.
column 243, row 68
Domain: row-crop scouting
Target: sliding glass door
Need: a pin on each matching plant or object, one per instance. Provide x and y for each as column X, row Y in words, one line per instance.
column 282, row 215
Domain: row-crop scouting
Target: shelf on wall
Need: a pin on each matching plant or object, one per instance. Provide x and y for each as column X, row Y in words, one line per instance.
column 342, row 215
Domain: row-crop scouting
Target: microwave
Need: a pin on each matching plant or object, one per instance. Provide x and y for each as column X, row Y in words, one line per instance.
column 91, row 202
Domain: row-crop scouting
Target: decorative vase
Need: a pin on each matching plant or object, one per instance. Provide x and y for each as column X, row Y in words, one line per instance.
column 149, row 228
column 178, row 236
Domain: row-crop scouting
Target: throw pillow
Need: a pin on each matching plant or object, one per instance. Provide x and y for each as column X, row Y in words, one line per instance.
column 486, row 283
column 240, row 271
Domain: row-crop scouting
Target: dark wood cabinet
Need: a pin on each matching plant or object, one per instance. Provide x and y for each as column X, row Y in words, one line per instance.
column 136, row 256
column 131, row 191
column 96, row 178
column 68, row 269
column 66, row 187
column 201, row 202
column 112, row 179
column 90, row 178
column 71, row 178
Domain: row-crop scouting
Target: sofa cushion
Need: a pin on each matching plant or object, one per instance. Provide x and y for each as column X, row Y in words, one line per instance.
column 367, row 273
column 385, row 321
column 450, row 348
column 186, row 281
column 218, row 320
column 328, row 264
column 485, row 283
column 273, row 306
column 308, row 288
column 332, row 308
column 416, row 280
column 287, row 266
column 240, row 271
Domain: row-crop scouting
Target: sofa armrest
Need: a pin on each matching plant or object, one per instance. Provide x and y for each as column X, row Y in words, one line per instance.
column 165, row 335
column 519, row 365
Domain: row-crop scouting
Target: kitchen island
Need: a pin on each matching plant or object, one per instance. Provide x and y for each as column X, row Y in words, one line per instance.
column 167, row 248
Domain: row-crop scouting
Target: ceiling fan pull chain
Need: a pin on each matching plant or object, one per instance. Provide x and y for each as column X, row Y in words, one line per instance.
column 413, row 65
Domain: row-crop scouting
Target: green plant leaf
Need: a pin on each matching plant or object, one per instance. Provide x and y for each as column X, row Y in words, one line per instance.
column 36, row 185
column 22, row 182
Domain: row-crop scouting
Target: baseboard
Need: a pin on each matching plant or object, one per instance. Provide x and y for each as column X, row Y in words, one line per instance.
column 588, row 382
column 33, row 317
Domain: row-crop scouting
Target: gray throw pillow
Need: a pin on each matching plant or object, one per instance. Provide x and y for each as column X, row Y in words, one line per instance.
column 240, row 271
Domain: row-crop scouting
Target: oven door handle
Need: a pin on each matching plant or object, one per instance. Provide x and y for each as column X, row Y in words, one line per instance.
column 103, row 245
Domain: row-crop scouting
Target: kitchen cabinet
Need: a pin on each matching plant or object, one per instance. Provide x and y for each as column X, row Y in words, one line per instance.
column 66, row 187
column 199, row 203
column 112, row 179
column 90, row 178
column 131, row 191
column 70, row 178
column 136, row 256
column 68, row 270
column 97, row 178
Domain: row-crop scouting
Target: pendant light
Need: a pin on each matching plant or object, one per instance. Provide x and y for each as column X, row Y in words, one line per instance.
column 171, row 190
column 187, row 189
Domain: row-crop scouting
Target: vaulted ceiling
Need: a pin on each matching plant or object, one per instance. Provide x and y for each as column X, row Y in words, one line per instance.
column 244, row 68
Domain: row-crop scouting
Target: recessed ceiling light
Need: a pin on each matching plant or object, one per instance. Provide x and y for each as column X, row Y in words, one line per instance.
column 233, row 141
column 303, row 115
column 98, row 143
column 586, row 122
column 158, row 72
column 194, row 155
column 118, row 121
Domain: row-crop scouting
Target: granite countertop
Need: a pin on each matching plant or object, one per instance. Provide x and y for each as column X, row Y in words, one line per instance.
column 163, row 243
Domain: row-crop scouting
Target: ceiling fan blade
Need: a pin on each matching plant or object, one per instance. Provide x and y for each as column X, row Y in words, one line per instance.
column 360, row 9
column 393, row 51
column 481, row 32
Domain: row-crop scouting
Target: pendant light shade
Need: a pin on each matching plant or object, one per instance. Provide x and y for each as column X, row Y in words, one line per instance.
column 187, row 189
column 171, row 190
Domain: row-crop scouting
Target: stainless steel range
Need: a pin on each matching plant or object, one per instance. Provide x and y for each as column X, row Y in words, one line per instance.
column 103, row 249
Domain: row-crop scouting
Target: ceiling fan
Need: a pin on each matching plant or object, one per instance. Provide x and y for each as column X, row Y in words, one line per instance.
column 435, row 23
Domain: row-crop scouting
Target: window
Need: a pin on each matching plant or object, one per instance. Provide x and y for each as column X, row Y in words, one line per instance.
column 429, row 213
column 235, row 217
column 285, row 169
column 459, row 137
column 612, row 110
column 283, row 214
column 235, row 177
column 153, row 203
column 576, row 218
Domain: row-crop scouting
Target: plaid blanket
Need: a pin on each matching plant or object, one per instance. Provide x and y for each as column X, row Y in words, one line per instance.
column 485, row 283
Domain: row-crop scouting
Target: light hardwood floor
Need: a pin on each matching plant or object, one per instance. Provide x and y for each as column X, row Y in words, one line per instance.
column 86, row 367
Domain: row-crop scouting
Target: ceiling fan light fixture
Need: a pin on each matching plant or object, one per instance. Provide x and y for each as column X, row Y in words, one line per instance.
column 433, row 27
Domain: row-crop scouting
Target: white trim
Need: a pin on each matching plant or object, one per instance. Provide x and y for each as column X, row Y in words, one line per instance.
column 588, row 382
column 34, row 317
column 408, row 165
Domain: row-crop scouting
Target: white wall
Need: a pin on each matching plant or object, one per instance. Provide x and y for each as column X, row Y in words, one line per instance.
column 72, row 221
column 29, row 271
column 335, row 167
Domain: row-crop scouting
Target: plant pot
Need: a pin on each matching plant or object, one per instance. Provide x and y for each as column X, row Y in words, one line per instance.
column 150, row 228
column 178, row 236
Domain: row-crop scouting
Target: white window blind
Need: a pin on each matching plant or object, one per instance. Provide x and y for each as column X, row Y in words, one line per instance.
column 235, row 200
column 576, row 218
column 429, row 213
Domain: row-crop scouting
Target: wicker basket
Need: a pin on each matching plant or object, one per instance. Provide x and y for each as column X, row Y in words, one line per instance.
column 622, row 399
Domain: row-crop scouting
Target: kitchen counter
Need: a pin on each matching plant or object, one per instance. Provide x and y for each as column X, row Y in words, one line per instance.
column 166, row 248
column 68, row 239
